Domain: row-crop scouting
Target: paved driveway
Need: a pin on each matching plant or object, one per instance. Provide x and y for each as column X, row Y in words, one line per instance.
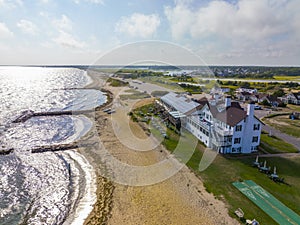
column 287, row 138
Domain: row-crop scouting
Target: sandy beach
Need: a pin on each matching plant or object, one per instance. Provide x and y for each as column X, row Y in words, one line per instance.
column 181, row 199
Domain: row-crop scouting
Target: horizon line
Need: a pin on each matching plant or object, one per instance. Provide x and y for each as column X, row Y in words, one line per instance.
column 146, row 65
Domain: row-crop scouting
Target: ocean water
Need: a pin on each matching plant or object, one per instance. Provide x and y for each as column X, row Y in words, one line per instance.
column 43, row 188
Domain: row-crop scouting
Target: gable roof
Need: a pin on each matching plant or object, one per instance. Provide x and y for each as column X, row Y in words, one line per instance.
column 244, row 93
column 231, row 115
column 297, row 95
column 272, row 98
column 202, row 101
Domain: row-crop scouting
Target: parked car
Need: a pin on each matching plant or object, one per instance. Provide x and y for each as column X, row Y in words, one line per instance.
column 257, row 107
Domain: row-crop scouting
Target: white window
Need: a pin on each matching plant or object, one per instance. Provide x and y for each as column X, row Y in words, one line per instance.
column 255, row 139
column 228, row 139
column 237, row 140
column 238, row 128
column 256, row 126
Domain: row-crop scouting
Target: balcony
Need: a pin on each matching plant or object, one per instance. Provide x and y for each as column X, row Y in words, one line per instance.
column 219, row 140
column 221, row 131
column 221, row 143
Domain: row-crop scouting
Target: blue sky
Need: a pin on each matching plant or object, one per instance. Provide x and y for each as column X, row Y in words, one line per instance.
column 235, row 32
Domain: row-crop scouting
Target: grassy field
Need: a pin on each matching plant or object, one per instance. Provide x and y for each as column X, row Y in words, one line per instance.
column 288, row 78
column 163, row 82
column 170, row 83
column 117, row 83
column 275, row 145
column 284, row 124
column 134, row 95
column 294, row 107
column 218, row 177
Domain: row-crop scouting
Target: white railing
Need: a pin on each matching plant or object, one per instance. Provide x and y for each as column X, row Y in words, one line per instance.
column 221, row 131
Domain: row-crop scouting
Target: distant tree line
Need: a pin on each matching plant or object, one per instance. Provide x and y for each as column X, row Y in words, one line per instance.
column 134, row 73
column 254, row 71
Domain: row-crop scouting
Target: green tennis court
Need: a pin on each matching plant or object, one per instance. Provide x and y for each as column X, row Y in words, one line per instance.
column 268, row 203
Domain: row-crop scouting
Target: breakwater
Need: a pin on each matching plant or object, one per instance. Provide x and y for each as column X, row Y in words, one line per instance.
column 26, row 115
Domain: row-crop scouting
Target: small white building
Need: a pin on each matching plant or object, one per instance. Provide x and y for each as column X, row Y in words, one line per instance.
column 226, row 127
column 291, row 98
column 248, row 90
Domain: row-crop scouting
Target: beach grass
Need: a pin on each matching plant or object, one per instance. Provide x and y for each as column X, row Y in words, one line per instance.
column 134, row 96
column 117, row 83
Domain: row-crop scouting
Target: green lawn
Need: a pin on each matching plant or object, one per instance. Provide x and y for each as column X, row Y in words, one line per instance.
column 294, row 107
column 284, row 124
column 223, row 171
column 218, row 178
column 170, row 83
column 163, row 82
column 275, row 145
column 289, row 78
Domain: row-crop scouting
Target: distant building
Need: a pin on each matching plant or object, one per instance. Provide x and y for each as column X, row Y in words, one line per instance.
column 219, row 90
column 259, row 97
column 225, row 127
column 248, row 90
column 291, row 98
column 243, row 96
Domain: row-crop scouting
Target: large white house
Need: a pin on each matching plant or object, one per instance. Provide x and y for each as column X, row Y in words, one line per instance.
column 226, row 127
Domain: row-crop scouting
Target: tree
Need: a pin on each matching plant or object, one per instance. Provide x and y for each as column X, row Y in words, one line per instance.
column 279, row 93
column 265, row 102
column 282, row 104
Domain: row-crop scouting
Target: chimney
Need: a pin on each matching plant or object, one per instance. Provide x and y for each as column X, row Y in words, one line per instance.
column 227, row 101
column 250, row 109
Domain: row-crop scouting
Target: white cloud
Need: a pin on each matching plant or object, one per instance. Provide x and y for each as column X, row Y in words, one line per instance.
column 100, row 2
column 138, row 25
column 263, row 28
column 67, row 40
column 180, row 20
column 5, row 32
column 255, row 19
column 63, row 24
column 27, row 27
column 9, row 4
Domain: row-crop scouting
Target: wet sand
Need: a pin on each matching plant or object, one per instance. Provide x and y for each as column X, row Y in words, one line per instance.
column 181, row 199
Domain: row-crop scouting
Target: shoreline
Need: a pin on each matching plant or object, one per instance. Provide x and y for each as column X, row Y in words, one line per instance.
column 180, row 199
column 95, row 184
column 88, row 199
column 101, row 208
